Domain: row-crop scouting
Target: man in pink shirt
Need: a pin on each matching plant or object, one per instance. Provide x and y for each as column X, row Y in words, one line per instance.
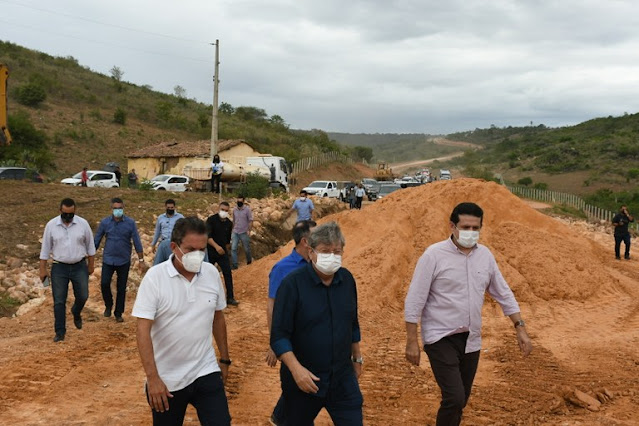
column 446, row 297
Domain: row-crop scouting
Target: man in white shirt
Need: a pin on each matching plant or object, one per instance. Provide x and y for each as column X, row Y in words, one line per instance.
column 359, row 193
column 179, row 302
column 69, row 240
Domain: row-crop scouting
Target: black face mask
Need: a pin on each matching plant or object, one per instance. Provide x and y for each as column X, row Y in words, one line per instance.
column 169, row 212
column 240, row 203
column 67, row 217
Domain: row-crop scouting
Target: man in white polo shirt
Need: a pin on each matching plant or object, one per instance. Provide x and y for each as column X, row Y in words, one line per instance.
column 179, row 302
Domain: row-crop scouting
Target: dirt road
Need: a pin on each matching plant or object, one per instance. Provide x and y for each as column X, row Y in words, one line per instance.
column 402, row 166
column 581, row 307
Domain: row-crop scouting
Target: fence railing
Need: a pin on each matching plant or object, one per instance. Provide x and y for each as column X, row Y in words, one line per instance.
column 318, row 160
column 593, row 213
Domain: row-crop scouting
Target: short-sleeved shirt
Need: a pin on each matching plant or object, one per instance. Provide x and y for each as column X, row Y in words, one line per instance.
column 360, row 192
column 182, row 313
column 67, row 244
column 164, row 252
column 241, row 219
column 304, row 209
column 217, row 168
column 281, row 269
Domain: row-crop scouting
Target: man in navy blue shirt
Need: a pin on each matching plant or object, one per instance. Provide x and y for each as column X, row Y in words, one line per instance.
column 286, row 265
column 119, row 231
column 315, row 333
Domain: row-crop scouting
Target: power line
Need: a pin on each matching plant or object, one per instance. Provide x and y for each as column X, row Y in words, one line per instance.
column 80, row 18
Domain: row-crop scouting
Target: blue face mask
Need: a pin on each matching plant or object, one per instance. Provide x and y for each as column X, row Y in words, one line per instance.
column 118, row 212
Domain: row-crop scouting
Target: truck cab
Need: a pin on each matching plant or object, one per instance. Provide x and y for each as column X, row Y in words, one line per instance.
column 323, row 188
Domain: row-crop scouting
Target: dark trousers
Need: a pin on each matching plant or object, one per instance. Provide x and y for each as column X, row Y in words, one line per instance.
column 122, row 272
column 343, row 401
column 358, row 203
column 61, row 274
column 626, row 240
column 279, row 412
column 225, row 265
column 206, row 394
column 454, row 371
column 215, row 183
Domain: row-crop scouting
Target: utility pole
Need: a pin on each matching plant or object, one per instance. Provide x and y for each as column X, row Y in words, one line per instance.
column 216, row 81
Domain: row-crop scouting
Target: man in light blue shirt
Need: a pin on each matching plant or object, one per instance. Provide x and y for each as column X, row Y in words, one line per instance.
column 304, row 207
column 165, row 223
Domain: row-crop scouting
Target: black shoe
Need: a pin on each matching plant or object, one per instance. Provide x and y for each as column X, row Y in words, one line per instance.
column 617, row 257
column 234, row 267
column 58, row 338
column 627, row 257
column 119, row 319
column 232, row 302
column 107, row 312
column 249, row 262
column 78, row 322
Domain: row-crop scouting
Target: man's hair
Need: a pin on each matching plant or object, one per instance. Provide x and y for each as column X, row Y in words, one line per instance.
column 328, row 233
column 303, row 192
column 302, row 229
column 187, row 225
column 224, row 203
column 470, row 209
column 240, row 197
column 169, row 201
column 116, row 200
column 67, row 202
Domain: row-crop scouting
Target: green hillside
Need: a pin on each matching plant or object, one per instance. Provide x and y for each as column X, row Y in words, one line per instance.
column 64, row 116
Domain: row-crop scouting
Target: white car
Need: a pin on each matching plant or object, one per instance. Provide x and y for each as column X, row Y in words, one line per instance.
column 97, row 178
column 323, row 188
column 175, row 183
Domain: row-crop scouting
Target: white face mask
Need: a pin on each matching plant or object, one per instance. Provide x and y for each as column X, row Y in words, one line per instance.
column 302, row 198
column 223, row 214
column 192, row 261
column 328, row 263
column 468, row 239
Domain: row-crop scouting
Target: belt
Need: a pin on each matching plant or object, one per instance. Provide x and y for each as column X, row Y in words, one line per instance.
column 70, row 264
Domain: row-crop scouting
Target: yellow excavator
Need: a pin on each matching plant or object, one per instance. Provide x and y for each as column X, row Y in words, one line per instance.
column 5, row 136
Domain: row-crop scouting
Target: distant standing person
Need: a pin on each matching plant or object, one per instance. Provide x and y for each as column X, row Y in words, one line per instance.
column 219, row 229
column 359, row 193
column 69, row 240
column 84, row 177
column 118, row 175
column 446, row 296
column 304, row 207
column 119, row 231
column 242, row 224
column 352, row 199
column 620, row 222
column 164, row 252
column 165, row 223
column 133, row 179
column 217, row 168
column 179, row 303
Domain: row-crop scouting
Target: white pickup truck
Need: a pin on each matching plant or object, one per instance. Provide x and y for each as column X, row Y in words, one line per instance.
column 323, row 188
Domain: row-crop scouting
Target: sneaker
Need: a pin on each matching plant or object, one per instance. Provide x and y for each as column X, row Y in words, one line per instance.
column 78, row 322
column 119, row 319
column 107, row 312
column 232, row 302
column 58, row 338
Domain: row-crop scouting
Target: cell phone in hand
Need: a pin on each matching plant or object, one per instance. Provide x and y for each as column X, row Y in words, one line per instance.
column 46, row 282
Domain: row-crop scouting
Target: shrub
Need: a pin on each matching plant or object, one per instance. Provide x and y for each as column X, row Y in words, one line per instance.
column 541, row 185
column 31, row 94
column 256, row 186
column 145, row 185
column 119, row 116
column 525, row 181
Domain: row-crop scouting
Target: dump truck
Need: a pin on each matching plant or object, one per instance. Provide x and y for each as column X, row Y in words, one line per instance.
column 5, row 136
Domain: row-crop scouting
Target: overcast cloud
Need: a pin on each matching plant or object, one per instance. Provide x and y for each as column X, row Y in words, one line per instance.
column 360, row 65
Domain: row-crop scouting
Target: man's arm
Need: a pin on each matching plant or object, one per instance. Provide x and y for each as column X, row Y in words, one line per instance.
column 98, row 235
column 219, row 334
column 45, row 252
column 413, row 352
column 156, row 235
column 137, row 242
column 90, row 247
column 415, row 303
column 271, row 358
column 304, row 379
column 157, row 390
column 525, row 344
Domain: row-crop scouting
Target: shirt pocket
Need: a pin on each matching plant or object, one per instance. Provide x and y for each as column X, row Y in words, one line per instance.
column 481, row 279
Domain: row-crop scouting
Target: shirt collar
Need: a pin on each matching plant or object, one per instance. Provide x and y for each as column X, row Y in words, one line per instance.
column 337, row 277
column 297, row 257
column 173, row 272
column 454, row 247
column 59, row 222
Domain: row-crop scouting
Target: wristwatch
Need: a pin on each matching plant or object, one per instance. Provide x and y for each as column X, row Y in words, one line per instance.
column 225, row 361
column 359, row 360
column 520, row 323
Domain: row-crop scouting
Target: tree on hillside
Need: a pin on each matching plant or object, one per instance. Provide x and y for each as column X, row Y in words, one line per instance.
column 116, row 75
column 226, row 108
column 180, row 93
column 250, row 113
column 362, row 153
column 278, row 121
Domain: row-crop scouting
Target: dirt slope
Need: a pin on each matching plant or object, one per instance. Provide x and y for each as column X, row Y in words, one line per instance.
column 582, row 309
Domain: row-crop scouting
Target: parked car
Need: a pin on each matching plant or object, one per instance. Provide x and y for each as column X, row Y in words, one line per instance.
column 17, row 173
column 444, row 174
column 175, row 183
column 374, row 191
column 97, row 178
column 344, row 187
column 385, row 190
column 323, row 188
column 368, row 184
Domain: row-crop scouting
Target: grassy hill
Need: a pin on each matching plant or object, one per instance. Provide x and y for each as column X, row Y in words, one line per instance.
column 87, row 118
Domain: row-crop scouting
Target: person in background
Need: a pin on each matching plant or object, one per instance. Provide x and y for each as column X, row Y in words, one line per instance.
column 446, row 296
column 163, row 253
column 620, row 222
column 84, row 177
column 69, row 240
column 217, row 168
column 297, row 259
column 133, row 179
column 165, row 222
column 242, row 224
column 359, row 194
column 352, row 199
column 119, row 231
column 219, row 229
column 304, row 207
column 118, row 175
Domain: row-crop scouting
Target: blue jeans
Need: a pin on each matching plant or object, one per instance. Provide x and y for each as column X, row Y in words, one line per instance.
column 105, row 284
column 626, row 240
column 61, row 274
column 246, row 243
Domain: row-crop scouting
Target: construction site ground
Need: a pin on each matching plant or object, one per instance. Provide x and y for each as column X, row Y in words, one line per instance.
column 580, row 304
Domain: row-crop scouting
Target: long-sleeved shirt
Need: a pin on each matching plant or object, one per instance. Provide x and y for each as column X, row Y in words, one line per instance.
column 447, row 292
column 318, row 323
column 241, row 219
column 67, row 244
column 119, row 234
column 281, row 269
column 623, row 220
column 164, row 226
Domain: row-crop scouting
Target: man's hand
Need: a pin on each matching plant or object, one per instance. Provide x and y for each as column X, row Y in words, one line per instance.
column 219, row 250
column 141, row 265
column 412, row 352
column 305, row 380
column 158, row 394
column 271, row 358
column 225, row 371
column 43, row 275
column 153, row 248
column 525, row 344
column 358, row 369
column 91, row 268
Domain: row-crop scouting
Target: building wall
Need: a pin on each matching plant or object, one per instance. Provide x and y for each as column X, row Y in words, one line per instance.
column 146, row 168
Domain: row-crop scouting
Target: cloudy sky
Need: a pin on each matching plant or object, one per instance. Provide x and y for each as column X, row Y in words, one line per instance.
column 360, row 65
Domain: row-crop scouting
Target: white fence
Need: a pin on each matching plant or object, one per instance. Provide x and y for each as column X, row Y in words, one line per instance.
column 592, row 212
column 318, row 160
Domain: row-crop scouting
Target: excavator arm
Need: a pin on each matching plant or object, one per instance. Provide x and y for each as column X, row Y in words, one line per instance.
column 5, row 136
